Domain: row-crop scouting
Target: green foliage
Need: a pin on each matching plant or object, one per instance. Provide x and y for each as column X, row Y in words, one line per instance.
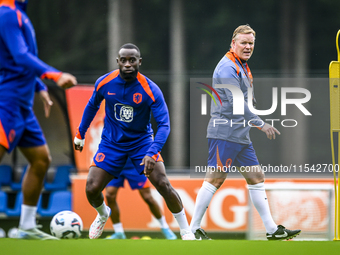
column 72, row 35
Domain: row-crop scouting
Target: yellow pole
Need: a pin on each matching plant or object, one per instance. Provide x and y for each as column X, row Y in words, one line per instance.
column 338, row 204
column 335, row 191
column 337, row 45
column 334, row 75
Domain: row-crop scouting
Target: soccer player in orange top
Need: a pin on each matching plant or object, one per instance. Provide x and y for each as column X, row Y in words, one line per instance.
column 130, row 97
column 20, row 70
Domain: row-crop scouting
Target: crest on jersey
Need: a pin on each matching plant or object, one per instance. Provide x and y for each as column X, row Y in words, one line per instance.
column 100, row 157
column 137, row 98
column 123, row 112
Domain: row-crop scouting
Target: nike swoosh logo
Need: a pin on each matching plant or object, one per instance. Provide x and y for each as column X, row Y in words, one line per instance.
column 111, row 94
column 199, row 239
column 284, row 235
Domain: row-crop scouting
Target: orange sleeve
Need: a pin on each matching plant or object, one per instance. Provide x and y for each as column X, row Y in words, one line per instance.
column 55, row 76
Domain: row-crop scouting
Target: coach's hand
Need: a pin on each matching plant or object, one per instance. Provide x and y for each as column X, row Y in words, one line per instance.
column 149, row 164
column 270, row 131
column 79, row 144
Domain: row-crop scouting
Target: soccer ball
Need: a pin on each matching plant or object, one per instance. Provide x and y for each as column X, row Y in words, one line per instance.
column 66, row 225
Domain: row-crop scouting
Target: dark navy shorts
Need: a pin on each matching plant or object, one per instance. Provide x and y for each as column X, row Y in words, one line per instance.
column 227, row 154
column 19, row 127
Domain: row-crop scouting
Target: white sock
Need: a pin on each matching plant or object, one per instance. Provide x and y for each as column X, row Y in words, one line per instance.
column 259, row 198
column 28, row 217
column 203, row 199
column 103, row 211
column 118, row 227
column 182, row 220
column 163, row 222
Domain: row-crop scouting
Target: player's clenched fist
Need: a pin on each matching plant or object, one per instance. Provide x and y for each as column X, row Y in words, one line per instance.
column 78, row 142
column 67, row 80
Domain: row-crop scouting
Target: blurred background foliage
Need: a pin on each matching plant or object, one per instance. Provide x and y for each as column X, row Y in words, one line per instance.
column 72, row 35
column 293, row 39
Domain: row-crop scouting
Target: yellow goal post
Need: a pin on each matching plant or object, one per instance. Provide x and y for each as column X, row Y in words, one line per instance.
column 334, row 91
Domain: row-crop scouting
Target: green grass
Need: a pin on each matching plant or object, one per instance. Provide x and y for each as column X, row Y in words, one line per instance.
column 160, row 247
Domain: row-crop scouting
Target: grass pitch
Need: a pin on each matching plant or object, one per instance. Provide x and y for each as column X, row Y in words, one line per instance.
column 160, row 247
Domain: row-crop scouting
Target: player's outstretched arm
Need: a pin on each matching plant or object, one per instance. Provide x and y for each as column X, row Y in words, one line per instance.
column 270, row 131
column 66, row 80
column 89, row 113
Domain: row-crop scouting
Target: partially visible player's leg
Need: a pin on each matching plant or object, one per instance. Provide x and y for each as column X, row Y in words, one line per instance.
column 27, row 226
column 111, row 195
column 160, row 181
column 108, row 163
column 21, row 129
column 204, row 196
column 39, row 160
column 156, row 211
column 111, row 198
column 219, row 151
column 97, row 179
column 255, row 180
column 151, row 202
column 248, row 166
column 250, row 169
